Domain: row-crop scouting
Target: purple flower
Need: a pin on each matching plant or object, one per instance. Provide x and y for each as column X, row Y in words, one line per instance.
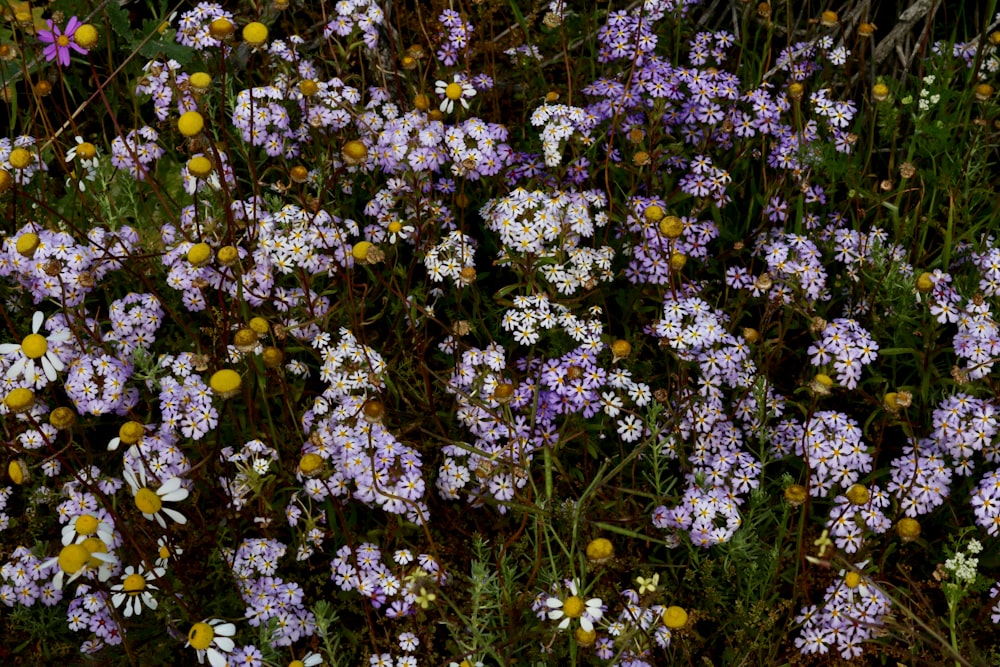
column 59, row 43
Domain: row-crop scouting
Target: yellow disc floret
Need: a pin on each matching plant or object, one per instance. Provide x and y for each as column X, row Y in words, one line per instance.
column 17, row 470
column 94, row 545
column 654, row 213
column 573, row 607
column 308, row 87
column 200, row 81
column 225, row 382
column 600, row 549
column 360, row 250
column 671, row 226
column 131, row 432
column 19, row 400
column 72, row 558
column 147, row 501
column 199, row 254
column 858, row 494
column 221, row 28
column 86, row 150
column 585, row 637
column 34, row 346
column 908, row 529
column 86, row 36
column 27, row 244
column 310, row 463
column 86, row 524
column 796, row 494
column 354, row 151
column 200, row 636
column 852, row 579
column 134, row 584
column 19, row 158
column 453, row 91
column 190, row 123
column 260, row 325
column 255, row 33
column 675, row 617
column 200, row 166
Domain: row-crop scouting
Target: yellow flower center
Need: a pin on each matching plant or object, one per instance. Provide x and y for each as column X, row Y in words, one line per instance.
column 86, row 36
column 62, row 40
column 453, row 91
column 852, row 579
column 131, row 432
column 34, row 345
column 134, row 584
column 225, row 382
column 296, row 663
column 27, row 244
column 675, row 617
column 94, row 545
column 86, row 150
column 19, row 158
column 190, row 123
column 310, row 463
column 164, row 552
column 395, row 227
column 201, row 635
column 86, row 524
column 147, row 501
column 72, row 558
column 573, row 607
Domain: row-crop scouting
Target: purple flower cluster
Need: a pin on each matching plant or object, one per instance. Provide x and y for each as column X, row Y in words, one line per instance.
column 848, row 521
column 21, row 176
column 193, row 26
column 134, row 319
column 832, row 446
column 91, row 610
column 848, row 346
column 399, row 590
column 62, row 269
column 455, row 36
column 96, row 383
column 162, row 82
column 651, row 250
column 252, row 462
column 853, row 611
column 25, row 581
column 271, row 601
column 136, row 152
column 363, row 15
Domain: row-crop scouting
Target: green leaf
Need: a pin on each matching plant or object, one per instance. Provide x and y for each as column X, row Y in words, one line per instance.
column 159, row 47
column 118, row 18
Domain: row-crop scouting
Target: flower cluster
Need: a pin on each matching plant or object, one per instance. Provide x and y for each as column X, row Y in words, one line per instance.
column 852, row 612
column 848, row 346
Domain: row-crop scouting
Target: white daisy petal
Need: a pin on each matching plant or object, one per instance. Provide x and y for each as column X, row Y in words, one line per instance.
column 173, row 514
column 36, row 321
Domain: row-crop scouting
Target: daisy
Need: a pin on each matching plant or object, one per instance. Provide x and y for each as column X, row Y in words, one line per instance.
column 134, row 590
column 149, row 501
column 76, row 560
column 59, row 42
column 574, row 606
column 84, row 526
column 35, row 346
column 212, row 638
column 458, row 90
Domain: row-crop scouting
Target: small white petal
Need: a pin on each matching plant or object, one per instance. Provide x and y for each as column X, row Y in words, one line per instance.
column 554, row 603
column 9, row 348
column 586, row 624
column 224, row 643
column 50, row 372
column 224, row 629
column 169, row 486
column 173, row 514
column 55, row 361
column 215, row 658
column 36, row 321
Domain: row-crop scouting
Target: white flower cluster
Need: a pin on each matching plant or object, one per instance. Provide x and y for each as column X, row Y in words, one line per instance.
column 529, row 220
column 448, row 258
column 561, row 122
column 962, row 566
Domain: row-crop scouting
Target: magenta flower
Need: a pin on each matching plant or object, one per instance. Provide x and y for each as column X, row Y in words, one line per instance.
column 59, row 43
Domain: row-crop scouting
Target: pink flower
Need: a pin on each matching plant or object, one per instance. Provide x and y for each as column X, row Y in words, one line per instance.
column 59, row 43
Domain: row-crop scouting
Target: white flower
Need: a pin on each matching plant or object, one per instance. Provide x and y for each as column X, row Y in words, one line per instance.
column 84, row 526
column 458, row 90
column 574, row 606
column 150, row 502
column 35, row 346
column 134, row 590
column 212, row 638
